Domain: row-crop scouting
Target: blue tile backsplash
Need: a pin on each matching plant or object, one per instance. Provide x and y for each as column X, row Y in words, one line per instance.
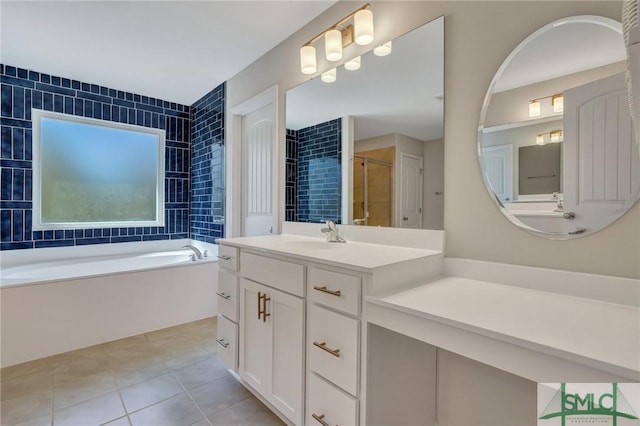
column 193, row 164
column 316, row 191
column 207, row 166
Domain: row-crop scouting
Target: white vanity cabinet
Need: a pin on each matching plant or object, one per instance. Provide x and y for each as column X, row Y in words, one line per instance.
column 227, row 294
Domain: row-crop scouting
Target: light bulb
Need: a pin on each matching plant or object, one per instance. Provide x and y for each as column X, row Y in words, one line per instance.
column 558, row 103
column 383, row 50
column 363, row 27
column 556, row 136
column 353, row 64
column 329, row 76
column 308, row 59
column 534, row 109
column 333, row 45
column 540, row 139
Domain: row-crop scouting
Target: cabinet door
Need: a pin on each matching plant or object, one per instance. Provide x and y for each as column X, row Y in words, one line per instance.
column 254, row 337
column 286, row 350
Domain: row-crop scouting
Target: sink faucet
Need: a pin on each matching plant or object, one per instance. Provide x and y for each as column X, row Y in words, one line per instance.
column 332, row 232
column 195, row 250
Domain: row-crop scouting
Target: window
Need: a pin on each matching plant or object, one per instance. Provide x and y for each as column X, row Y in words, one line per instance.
column 92, row 173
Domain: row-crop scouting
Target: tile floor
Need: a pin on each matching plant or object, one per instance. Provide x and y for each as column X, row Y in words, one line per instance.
column 169, row 377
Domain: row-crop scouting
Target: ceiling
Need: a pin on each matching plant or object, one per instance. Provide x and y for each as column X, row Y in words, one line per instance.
column 400, row 93
column 173, row 50
column 562, row 49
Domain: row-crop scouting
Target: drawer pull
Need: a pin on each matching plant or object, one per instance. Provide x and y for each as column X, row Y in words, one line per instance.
column 324, row 289
column 224, row 257
column 323, row 346
column 224, row 296
column 320, row 419
column 262, row 310
column 222, row 343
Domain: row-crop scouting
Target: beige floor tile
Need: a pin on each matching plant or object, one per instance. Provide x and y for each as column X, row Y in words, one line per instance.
column 40, row 421
column 203, row 422
column 83, row 366
column 25, row 408
column 131, row 376
column 201, row 372
column 122, row 421
column 188, row 355
column 149, row 392
column 177, row 411
column 164, row 333
column 247, row 413
column 71, row 390
column 137, row 341
column 25, row 368
column 219, row 395
column 96, row 411
column 25, row 385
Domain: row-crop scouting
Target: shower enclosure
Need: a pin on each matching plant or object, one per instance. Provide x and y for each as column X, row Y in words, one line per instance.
column 372, row 192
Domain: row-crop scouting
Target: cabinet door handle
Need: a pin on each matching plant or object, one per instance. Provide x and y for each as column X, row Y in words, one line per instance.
column 324, row 289
column 262, row 309
column 222, row 343
column 223, row 257
column 323, row 346
column 259, row 307
column 320, row 419
column 224, row 296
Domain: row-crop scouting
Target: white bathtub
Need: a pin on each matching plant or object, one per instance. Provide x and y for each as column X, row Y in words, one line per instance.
column 57, row 300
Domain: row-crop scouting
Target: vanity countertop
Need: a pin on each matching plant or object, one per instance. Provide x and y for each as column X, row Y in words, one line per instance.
column 601, row 334
column 354, row 255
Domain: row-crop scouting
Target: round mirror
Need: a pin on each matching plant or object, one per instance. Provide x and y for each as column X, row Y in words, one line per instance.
column 556, row 141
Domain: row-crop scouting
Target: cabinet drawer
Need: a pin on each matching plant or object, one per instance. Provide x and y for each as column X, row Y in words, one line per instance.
column 333, row 347
column 228, row 295
column 227, row 343
column 328, row 404
column 282, row 275
column 334, row 289
column 228, row 257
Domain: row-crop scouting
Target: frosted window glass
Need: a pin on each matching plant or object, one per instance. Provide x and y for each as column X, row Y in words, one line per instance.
column 96, row 174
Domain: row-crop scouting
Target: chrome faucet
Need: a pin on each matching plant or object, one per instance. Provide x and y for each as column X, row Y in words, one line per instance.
column 332, row 232
column 195, row 250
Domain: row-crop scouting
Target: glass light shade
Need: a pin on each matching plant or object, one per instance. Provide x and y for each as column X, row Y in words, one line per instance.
column 329, row 76
column 558, row 103
column 534, row 109
column 308, row 59
column 363, row 27
column 353, row 64
column 540, row 140
column 383, row 50
column 333, row 45
column 556, row 136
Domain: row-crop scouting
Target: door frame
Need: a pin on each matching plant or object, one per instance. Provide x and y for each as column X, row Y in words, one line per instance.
column 233, row 160
column 398, row 214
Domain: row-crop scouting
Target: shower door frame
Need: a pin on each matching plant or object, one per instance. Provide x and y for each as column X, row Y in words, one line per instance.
column 365, row 191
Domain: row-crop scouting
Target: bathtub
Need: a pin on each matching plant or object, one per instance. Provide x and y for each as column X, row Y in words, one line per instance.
column 59, row 299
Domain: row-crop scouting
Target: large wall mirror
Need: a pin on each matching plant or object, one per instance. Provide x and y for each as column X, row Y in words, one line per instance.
column 556, row 140
column 367, row 149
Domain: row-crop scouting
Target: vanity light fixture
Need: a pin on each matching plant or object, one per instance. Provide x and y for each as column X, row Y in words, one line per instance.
column 553, row 136
column 353, row 64
column 337, row 37
column 557, row 102
column 329, row 76
column 383, row 50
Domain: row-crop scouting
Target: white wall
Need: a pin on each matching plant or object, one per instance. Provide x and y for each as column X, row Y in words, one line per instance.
column 478, row 37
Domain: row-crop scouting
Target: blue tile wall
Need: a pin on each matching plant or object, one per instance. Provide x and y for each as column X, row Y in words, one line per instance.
column 319, row 172
column 291, row 177
column 207, row 166
column 22, row 90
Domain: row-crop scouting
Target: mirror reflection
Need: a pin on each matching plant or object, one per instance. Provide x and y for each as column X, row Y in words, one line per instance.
column 368, row 149
column 556, row 142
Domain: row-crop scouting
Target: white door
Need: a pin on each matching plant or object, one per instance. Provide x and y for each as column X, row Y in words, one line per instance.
column 411, row 191
column 258, row 171
column 498, row 170
column 254, row 337
column 601, row 165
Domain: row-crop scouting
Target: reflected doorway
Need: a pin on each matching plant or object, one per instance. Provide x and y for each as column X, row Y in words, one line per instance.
column 372, row 191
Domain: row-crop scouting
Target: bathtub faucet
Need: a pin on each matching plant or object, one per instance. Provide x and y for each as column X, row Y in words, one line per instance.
column 195, row 250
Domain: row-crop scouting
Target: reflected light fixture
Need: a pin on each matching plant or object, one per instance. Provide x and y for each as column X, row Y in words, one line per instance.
column 353, row 64
column 553, row 136
column 329, row 76
column 338, row 36
column 540, row 139
column 557, row 103
column 383, row 50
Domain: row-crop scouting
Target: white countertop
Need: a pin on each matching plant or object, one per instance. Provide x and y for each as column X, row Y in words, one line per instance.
column 596, row 332
column 354, row 255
